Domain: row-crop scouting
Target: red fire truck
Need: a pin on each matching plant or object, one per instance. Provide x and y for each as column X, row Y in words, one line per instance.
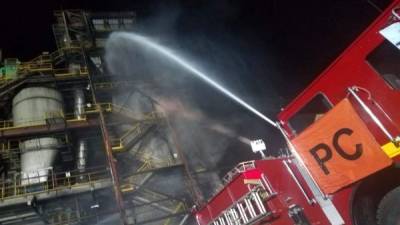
column 343, row 159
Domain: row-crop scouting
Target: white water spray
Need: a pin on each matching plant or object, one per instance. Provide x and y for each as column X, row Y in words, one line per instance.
column 182, row 62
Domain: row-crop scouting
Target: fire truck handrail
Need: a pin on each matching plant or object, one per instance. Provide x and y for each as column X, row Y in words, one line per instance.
column 394, row 12
column 245, row 211
column 310, row 200
column 352, row 91
column 240, row 168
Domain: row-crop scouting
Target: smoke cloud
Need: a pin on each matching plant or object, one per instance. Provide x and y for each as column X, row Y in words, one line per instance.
column 208, row 125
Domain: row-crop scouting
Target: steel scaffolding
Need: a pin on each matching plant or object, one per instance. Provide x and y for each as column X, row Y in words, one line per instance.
column 126, row 169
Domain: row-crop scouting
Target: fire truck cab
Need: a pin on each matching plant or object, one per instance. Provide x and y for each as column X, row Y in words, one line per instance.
column 282, row 190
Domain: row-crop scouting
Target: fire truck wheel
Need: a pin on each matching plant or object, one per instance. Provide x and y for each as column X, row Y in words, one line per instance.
column 388, row 209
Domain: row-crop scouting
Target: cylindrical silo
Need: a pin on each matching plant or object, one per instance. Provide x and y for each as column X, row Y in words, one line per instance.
column 37, row 157
column 31, row 106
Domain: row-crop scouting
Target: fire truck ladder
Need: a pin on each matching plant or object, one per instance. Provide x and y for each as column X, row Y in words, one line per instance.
column 249, row 209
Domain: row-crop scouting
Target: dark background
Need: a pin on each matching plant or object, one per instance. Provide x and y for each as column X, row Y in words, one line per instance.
column 298, row 38
column 266, row 51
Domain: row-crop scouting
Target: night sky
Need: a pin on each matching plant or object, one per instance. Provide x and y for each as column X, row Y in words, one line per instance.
column 266, row 51
column 297, row 38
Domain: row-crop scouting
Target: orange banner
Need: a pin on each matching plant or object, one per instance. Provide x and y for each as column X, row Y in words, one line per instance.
column 339, row 150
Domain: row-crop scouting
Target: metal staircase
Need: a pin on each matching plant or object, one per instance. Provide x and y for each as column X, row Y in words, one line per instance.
column 128, row 113
column 137, row 131
column 131, row 137
column 69, row 25
column 7, row 86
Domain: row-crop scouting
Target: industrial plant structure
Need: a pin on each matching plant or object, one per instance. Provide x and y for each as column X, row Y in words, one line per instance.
column 71, row 150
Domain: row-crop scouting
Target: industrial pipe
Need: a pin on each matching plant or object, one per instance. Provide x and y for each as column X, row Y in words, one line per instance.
column 79, row 103
column 81, row 156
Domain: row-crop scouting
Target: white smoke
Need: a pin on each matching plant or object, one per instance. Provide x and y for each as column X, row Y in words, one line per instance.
column 204, row 140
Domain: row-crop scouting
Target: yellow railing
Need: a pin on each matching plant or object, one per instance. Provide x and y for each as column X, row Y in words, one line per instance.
column 5, row 146
column 50, row 57
column 53, row 115
column 62, row 73
column 139, row 125
column 113, row 108
column 94, row 108
column 145, row 166
column 130, row 186
column 6, row 124
column 9, row 124
column 43, row 58
column 106, row 107
column 65, row 217
column 118, row 144
column 67, row 73
column 10, row 150
column 27, row 67
column 13, row 157
column 71, row 45
column 179, row 208
column 45, row 63
column 138, row 128
column 91, row 109
column 4, row 81
column 111, row 85
column 104, row 85
column 12, row 145
column 54, row 182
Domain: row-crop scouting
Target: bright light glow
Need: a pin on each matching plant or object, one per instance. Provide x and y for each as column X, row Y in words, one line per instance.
column 182, row 62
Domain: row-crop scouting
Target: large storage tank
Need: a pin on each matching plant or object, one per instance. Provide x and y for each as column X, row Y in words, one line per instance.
column 31, row 106
column 37, row 157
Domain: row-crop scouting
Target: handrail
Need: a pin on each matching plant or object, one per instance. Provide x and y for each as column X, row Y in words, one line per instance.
column 9, row 124
column 48, row 56
column 244, row 211
column 12, row 145
column 310, row 200
column 395, row 13
column 113, row 84
column 4, row 81
column 45, row 63
column 137, row 129
column 179, row 208
column 107, row 107
column 238, row 169
column 89, row 109
column 111, row 107
column 375, row 119
column 151, row 117
column 130, row 185
column 54, row 182
column 60, row 73
column 118, row 144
